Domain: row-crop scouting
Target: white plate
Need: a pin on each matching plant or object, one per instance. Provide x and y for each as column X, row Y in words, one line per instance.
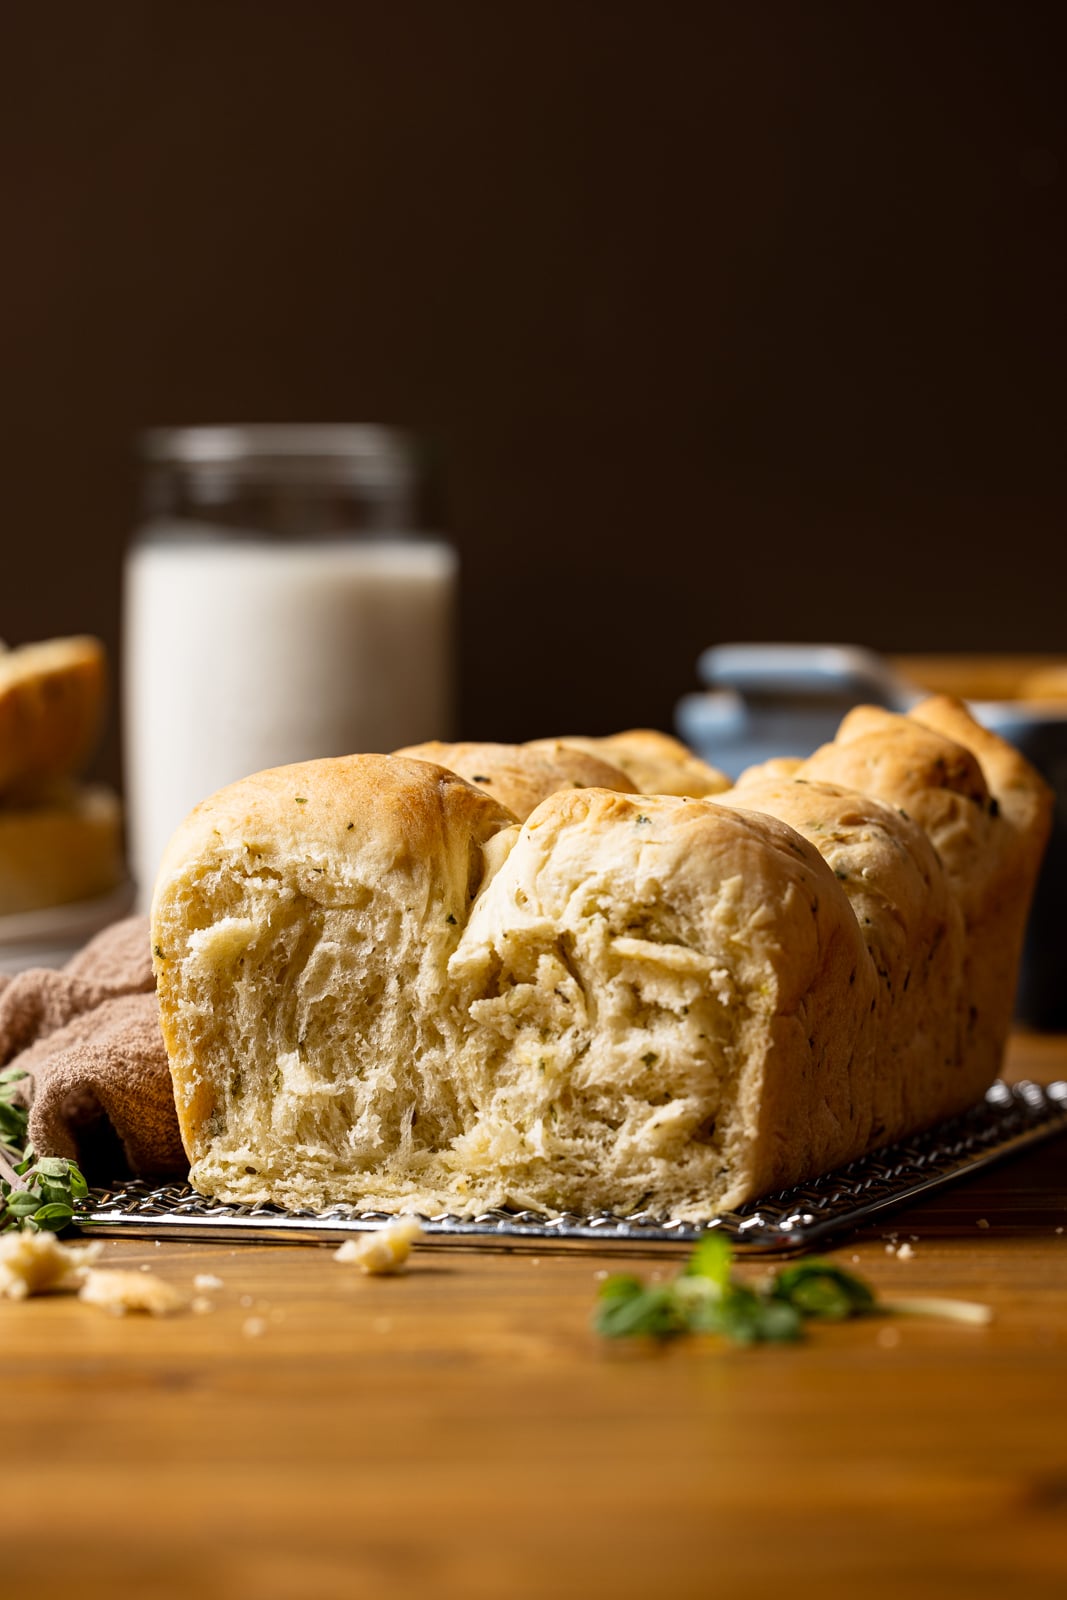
column 49, row 937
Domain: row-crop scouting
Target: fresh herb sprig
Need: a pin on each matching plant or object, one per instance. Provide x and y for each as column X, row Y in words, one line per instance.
column 14, row 1118
column 35, row 1191
column 706, row 1297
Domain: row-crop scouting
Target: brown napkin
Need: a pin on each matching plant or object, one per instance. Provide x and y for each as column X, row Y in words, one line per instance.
column 99, row 1087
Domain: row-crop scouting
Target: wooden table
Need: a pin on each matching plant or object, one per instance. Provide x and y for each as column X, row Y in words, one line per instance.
column 460, row 1432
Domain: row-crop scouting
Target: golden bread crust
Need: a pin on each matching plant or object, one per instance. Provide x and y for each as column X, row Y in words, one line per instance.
column 913, row 933
column 987, row 813
column 654, row 762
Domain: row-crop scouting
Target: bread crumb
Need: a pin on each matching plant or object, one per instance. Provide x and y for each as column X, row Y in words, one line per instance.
column 888, row 1338
column 905, row 1252
column 253, row 1327
column 385, row 1250
column 120, row 1292
column 202, row 1305
column 1059, row 1230
column 37, row 1263
column 982, row 1222
column 855, row 1259
column 207, row 1280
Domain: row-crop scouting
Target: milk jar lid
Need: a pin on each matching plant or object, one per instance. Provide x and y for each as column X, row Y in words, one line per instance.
column 361, row 455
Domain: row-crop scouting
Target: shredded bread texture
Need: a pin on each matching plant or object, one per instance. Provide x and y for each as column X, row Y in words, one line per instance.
column 376, row 986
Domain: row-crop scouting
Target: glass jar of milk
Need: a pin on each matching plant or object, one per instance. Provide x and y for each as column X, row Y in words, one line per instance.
column 279, row 606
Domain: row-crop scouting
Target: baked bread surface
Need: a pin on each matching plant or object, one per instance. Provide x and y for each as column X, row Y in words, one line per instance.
column 521, row 776
column 654, row 762
column 988, row 815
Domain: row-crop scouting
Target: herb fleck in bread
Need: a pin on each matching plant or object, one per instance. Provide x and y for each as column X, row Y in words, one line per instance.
column 376, row 986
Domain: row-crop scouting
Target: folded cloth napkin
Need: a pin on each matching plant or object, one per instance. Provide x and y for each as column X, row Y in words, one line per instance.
column 88, row 1037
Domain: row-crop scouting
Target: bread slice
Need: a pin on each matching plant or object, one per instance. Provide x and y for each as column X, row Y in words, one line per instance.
column 51, row 709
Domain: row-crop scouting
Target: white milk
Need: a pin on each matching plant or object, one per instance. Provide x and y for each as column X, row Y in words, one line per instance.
column 240, row 655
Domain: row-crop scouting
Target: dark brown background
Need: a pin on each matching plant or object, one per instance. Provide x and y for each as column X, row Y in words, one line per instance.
column 726, row 321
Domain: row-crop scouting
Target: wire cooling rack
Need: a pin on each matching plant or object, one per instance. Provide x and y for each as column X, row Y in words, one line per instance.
column 1008, row 1120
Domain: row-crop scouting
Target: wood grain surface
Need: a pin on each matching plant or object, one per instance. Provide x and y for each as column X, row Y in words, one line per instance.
column 460, row 1431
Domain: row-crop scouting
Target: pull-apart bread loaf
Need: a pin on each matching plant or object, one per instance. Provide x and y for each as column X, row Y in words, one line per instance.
column 376, row 986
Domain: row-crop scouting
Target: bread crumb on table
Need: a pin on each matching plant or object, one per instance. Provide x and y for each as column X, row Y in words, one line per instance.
column 121, row 1292
column 384, row 1251
column 206, row 1280
column 37, row 1263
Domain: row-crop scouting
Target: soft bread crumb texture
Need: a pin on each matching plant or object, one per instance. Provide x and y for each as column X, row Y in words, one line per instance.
column 377, row 987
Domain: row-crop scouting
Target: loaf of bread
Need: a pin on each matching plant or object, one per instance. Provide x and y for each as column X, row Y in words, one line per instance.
column 377, row 986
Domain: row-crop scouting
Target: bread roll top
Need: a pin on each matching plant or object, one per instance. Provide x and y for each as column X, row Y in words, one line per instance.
column 654, row 762
column 301, row 923
column 521, row 776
